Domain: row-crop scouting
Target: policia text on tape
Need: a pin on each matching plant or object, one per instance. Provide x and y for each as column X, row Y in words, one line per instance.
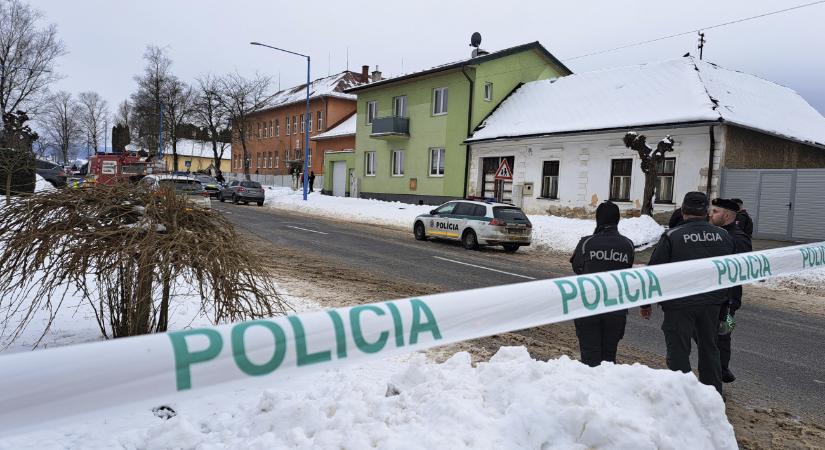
column 48, row 385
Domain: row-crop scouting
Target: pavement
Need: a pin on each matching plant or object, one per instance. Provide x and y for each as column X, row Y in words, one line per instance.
column 778, row 356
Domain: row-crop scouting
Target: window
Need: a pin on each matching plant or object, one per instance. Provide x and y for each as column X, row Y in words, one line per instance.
column 309, row 122
column 488, row 92
column 464, row 209
column 620, row 170
column 397, row 163
column 258, row 134
column 437, row 162
column 665, row 174
column 399, row 106
column 277, row 128
column 439, row 101
column 369, row 164
column 277, row 160
column 294, row 124
column 309, row 159
column 372, row 110
column 550, row 179
column 446, row 209
column 320, row 125
column 270, row 159
column 303, row 124
column 271, row 129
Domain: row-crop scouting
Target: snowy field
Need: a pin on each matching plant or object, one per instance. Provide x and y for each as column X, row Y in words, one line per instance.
column 549, row 232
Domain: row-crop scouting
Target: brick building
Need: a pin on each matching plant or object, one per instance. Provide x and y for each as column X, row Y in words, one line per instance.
column 275, row 145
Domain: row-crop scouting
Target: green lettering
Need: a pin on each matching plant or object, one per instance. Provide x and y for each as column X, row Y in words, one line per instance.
column 239, row 348
column 566, row 294
column 766, row 266
column 340, row 335
column 396, row 320
column 418, row 306
column 720, row 270
column 184, row 358
column 607, row 300
column 806, row 257
column 743, row 271
column 583, row 291
column 654, row 287
column 357, row 333
column 304, row 358
column 618, row 288
column 755, row 269
column 732, row 276
column 630, row 297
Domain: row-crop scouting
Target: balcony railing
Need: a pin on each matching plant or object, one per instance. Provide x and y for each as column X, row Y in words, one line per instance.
column 390, row 127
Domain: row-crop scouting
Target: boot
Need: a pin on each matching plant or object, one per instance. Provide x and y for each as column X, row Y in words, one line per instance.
column 728, row 376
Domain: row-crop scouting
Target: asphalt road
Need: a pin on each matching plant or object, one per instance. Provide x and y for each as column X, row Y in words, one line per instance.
column 778, row 356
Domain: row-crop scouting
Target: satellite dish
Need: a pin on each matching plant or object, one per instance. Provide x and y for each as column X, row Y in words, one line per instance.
column 475, row 39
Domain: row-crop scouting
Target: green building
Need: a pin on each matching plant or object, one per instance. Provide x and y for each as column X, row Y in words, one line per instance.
column 410, row 129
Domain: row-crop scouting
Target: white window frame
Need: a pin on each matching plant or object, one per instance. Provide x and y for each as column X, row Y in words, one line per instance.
column 441, row 153
column 309, row 160
column 320, row 124
column 440, row 99
column 397, row 169
column 288, row 127
column 277, row 159
column 277, row 127
column 548, row 180
column 402, row 99
column 372, row 111
column 369, row 164
column 488, row 91
column 303, row 124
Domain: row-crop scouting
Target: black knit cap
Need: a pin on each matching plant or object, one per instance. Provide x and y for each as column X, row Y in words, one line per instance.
column 695, row 204
column 726, row 204
column 607, row 214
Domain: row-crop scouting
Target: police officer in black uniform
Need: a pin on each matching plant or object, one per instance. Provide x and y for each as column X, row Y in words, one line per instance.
column 724, row 214
column 695, row 316
column 743, row 219
column 605, row 250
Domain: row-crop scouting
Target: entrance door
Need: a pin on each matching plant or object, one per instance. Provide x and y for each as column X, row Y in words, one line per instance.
column 339, row 178
column 501, row 190
column 775, row 204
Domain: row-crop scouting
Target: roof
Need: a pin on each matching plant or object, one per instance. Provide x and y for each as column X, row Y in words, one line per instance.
column 191, row 147
column 345, row 128
column 678, row 91
column 330, row 86
column 455, row 65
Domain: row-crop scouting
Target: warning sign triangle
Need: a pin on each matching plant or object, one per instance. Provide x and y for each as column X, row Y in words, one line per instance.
column 504, row 172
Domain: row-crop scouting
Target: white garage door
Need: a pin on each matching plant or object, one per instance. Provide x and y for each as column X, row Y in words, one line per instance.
column 339, row 178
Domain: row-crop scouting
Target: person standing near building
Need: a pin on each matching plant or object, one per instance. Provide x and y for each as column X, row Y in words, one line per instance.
column 724, row 214
column 311, row 180
column 743, row 219
column 605, row 250
column 695, row 316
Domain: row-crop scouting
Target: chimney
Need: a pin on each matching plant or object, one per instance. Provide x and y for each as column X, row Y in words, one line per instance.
column 376, row 75
column 365, row 74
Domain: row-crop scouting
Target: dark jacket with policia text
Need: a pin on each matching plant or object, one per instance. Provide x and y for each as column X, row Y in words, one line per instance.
column 603, row 251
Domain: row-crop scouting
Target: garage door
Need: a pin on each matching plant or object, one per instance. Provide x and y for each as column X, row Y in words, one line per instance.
column 808, row 204
column 775, row 204
column 339, row 178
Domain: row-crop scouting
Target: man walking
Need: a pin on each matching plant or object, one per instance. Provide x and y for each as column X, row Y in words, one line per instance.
column 743, row 219
column 695, row 316
column 311, row 180
column 605, row 250
column 724, row 214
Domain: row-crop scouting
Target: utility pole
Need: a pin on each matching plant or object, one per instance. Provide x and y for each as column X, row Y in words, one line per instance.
column 701, row 43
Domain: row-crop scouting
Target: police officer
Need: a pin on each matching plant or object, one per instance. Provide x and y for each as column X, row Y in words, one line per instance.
column 743, row 219
column 606, row 249
column 695, row 316
column 724, row 214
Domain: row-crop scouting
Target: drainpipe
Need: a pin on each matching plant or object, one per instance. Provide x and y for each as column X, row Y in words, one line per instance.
column 469, row 129
column 710, row 160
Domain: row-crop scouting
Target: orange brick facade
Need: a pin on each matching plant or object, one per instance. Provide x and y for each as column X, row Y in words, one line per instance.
column 276, row 141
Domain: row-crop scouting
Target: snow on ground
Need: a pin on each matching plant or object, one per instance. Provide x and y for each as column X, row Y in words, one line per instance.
column 551, row 232
column 800, row 281
column 42, row 185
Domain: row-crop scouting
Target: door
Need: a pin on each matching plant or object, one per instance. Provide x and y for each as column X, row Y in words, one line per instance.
column 441, row 224
column 809, row 204
column 775, row 204
column 339, row 178
column 501, row 190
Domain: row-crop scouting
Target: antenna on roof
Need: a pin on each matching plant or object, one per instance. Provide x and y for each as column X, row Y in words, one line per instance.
column 701, row 43
column 329, row 63
column 475, row 41
column 347, row 58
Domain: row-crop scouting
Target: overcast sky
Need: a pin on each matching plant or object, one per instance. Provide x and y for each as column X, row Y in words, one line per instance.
column 106, row 38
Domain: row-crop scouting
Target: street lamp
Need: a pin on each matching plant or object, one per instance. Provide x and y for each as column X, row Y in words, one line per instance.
column 306, row 116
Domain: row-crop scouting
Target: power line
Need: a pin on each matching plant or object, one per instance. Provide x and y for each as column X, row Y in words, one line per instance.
column 695, row 31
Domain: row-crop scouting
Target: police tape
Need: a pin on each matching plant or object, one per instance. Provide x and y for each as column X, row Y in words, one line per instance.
column 41, row 386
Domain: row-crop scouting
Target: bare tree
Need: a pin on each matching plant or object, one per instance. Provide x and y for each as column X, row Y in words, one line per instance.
column 27, row 56
column 242, row 97
column 208, row 112
column 94, row 113
column 61, row 124
column 650, row 159
column 177, row 99
column 17, row 165
column 124, row 113
column 147, row 101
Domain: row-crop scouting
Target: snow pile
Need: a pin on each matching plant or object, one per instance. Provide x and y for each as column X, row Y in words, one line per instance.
column 551, row 232
column 345, row 128
column 805, row 281
column 512, row 401
column 41, row 184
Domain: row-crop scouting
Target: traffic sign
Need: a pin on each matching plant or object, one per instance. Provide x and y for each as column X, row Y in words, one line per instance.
column 504, row 172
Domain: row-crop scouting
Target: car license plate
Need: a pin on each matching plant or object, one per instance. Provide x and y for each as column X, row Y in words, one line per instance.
column 514, row 238
column 515, row 231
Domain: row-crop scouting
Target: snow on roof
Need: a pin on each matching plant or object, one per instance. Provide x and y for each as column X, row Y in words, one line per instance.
column 190, row 147
column 331, row 86
column 345, row 128
column 676, row 91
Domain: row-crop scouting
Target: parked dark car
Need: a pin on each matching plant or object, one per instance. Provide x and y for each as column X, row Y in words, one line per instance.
column 210, row 184
column 51, row 172
column 243, row 191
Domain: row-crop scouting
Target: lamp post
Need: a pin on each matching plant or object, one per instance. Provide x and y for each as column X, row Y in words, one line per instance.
column 306, row 116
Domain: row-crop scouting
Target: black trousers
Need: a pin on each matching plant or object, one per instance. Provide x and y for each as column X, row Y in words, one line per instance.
column 599, row 337
column 700, row 323
column 723, row 341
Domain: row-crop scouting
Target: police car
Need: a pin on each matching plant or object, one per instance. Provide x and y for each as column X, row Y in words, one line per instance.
column 474, row 223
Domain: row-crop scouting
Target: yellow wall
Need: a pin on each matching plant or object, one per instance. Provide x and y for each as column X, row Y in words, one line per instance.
column 198, row 163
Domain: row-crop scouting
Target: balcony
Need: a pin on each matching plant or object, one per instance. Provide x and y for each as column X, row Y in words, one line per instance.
column 392, row 127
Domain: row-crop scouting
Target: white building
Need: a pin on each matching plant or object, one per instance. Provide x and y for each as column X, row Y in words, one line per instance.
column 563, row 137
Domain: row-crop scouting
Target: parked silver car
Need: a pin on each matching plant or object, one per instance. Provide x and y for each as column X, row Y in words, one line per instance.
column 183, row 185
column 476, row 223
column 243, row 191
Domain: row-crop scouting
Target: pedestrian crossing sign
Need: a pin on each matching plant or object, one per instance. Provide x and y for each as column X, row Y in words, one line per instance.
column 504, row 172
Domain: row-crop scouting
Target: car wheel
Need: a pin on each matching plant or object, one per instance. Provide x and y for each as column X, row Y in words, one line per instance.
column 419, row 232
column 220, row 197
column 245, row 203
column 510, row 248
column 235, row 199
column 260, row 203
column 469, row 240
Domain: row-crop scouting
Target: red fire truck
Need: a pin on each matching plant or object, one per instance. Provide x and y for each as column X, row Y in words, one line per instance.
column 109, row 168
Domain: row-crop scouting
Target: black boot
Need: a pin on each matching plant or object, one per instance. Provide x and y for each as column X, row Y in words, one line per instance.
column 728, row 376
